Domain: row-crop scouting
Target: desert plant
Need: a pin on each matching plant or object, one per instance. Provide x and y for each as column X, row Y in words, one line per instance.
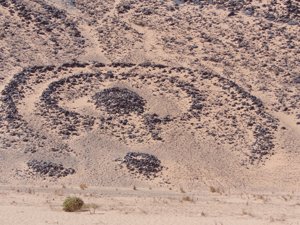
column 217, row 190
column 187, row 199
column 181, row 190
column 212, row 189
column 30, row 191
column 72, row 204
column 82, row 186
column 90, row 207
column 59, row 193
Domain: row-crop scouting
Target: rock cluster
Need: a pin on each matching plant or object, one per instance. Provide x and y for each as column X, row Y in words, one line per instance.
column 119, row 101
column 142, row 163
column 49, row 169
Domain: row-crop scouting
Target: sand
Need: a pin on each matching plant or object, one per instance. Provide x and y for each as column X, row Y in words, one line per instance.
column 42, row 205
column 218, row 108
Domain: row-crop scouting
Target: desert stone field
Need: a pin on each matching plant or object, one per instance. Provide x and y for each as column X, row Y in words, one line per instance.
column 149, row 112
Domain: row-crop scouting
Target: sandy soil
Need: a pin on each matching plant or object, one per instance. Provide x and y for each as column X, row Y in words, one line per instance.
column 42, row 205
column 158, row 94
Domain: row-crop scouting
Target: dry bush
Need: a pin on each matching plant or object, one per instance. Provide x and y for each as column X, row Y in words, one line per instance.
column 59, row 193
column 244, row 213
column 262, row 198
column 50, row 205
column 212, row 189
column 187, row 199
column 91, row 207
column 216, row 190
column 83, row 186
column 29, row 191
column 2, row 35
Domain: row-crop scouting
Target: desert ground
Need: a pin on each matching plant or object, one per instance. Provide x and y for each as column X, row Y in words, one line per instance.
column 165, row 112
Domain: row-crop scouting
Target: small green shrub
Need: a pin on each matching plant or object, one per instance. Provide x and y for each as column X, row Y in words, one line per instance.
column 72, row 204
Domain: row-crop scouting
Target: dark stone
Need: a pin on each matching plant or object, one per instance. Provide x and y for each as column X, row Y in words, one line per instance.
column 119, row 100
column 49, row 168
column 143, row 163
column 231, row 14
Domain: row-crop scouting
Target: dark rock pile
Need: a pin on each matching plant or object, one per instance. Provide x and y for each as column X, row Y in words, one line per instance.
column 142, row 163
column 49, row 169
column 119, row 100
column 123, row 8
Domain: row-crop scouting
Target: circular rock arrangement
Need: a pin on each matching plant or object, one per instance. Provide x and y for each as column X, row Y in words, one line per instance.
column 211, row 105
column 142, row 163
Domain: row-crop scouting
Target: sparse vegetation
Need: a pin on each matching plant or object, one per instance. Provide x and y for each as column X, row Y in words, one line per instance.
column 72, row 204
column 181, row 190
column 216, row 190
column 2, row 35
column 187, row 199
column 212, row 189
column 244, row 213
column 29, row 191
column 91, row 207
column 59, row 193
column 83, row 186
column 50, row 205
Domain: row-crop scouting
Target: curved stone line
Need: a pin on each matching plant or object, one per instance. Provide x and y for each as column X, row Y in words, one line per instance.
column 134, row 104
column 204, row 103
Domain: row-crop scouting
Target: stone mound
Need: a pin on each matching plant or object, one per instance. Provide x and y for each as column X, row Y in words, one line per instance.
column 119, row 100
column 50, row 169
column 143, row 163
